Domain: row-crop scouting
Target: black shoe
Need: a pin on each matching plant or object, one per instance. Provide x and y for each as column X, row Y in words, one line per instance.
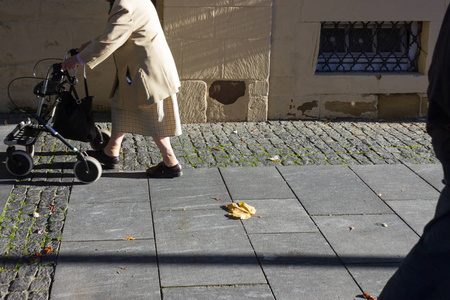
column 107, row 162
column 162, row 171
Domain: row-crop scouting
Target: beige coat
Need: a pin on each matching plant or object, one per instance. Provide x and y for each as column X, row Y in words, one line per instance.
column 146, row 71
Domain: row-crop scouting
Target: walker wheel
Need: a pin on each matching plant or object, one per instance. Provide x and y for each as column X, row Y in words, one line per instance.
column 30, row 150
column 19, row 163
column 101, row 140
column 90, row 174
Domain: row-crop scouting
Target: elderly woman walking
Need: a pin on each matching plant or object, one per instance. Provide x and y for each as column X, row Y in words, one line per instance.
column 144, row 93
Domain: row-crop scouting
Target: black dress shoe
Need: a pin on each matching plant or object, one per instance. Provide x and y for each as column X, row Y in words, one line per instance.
column 108, row 162
column 163, row 171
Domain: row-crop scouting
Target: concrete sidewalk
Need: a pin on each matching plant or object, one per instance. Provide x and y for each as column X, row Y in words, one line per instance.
column 185, row 247
column 325, row 231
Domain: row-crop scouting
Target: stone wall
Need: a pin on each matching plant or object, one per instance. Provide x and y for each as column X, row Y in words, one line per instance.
column 31, row 30
column 222, row 51
column 238, row 60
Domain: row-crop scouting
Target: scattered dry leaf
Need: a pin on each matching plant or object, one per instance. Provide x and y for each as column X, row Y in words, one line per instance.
column 351, row 228
column 48, row 249
column 6, row 122
column 217, row 199
column 32, row 260
column 379, row 195
column 254, row 129
column 218, row 149
column 40, row 231
column 36, row 215
column 129, row 238
column 274, row 158
column 241, row 210
column 118, row 272
column 368, row 297
column 123, row 268
column 52, row 207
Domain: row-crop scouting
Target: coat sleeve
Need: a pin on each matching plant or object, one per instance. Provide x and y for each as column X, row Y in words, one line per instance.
column 117, row 32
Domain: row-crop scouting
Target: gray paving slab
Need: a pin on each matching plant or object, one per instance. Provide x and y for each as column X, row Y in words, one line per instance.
column 222, row 293
column 256, row 183
column 374, row 238
column 303, row 266
column 278, row 216
column 108, row 221
column 332, row 190
column 432, row 173
column 196, row 189
column 107, row 270
column 113, row 187
column 416, row 213
column 204, row 247
column 395, row 182
column 372, row 278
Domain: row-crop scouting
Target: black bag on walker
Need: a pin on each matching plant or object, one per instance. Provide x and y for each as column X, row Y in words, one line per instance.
column 74, row 118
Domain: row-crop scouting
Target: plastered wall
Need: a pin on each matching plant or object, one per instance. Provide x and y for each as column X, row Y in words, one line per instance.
column 298, row 92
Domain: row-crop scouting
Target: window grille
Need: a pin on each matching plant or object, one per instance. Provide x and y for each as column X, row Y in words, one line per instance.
column 369, row 47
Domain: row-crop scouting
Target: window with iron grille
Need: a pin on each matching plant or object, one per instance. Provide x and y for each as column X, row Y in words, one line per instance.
column 369, row 47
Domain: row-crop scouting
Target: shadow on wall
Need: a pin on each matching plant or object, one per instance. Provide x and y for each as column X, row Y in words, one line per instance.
column 228, row 48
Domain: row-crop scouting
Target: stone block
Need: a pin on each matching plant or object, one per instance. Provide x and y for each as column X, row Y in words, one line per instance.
column 252, row 2
column 423, row 106
column 307, row 41
column 79, row 9
column 21, row 91
column 282, row 86
column 236, row 112
column 283, row 57
column 258, row 88
column 398, row 106
column 196, row 3
column 284, row 19
column 354, row 10
column 348, row 106
column 242, row 22
column 202, row 59
column 192, row 101
column 48, row 37
column 257, row 109
column 189, row 22
column 176, row 47
column 247, row 59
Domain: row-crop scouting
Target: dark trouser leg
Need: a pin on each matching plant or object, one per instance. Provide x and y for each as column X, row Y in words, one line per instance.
column 425, row 272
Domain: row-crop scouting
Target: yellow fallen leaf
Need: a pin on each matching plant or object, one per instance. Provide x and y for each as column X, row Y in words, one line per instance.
column 250, row 209
column 241, row 211
column 129, row 238
column 274, row 158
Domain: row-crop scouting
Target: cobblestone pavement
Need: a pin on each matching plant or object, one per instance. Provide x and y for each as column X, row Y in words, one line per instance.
column 34, row 215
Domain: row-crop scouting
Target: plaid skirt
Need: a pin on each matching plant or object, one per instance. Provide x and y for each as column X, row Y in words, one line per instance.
column 158, row 120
